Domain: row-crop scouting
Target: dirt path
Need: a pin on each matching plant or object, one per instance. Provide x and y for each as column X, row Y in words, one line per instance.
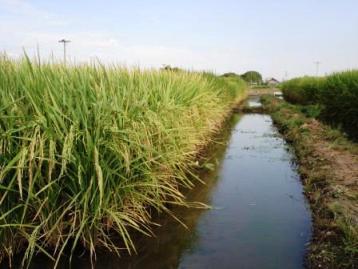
column 345, row 161
column 342, row 165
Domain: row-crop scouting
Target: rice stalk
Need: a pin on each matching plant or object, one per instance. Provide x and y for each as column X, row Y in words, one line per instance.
column 87, row 152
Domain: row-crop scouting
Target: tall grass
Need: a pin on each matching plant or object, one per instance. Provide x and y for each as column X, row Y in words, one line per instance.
column 339, row 101
column 336, row 95
column 87, row 152
column 304, row 90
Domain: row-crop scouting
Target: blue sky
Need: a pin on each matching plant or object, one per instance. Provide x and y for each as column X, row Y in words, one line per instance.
column 273, row 37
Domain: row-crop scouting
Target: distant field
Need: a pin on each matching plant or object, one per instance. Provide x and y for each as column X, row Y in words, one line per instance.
column 262, row 91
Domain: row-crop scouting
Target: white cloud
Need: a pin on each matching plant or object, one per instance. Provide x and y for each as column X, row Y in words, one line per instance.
column 105, row 46
column 26, row 11
column 28, row 27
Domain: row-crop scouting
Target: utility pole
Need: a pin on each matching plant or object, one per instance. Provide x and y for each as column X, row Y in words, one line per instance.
column 64, row 41
column 317, row 63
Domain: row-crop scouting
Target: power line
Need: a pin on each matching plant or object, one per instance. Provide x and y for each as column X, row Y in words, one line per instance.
column 64, row 41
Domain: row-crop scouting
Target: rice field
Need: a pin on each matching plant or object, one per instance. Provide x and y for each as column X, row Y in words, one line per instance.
column 336, row 98
column 88, row 152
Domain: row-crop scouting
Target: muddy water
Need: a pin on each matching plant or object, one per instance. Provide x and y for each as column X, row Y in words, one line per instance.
column 259, row 217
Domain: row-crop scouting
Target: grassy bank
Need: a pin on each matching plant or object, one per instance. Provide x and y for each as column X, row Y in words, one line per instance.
column 329, row 169
column 335, row 98
column 87, row 152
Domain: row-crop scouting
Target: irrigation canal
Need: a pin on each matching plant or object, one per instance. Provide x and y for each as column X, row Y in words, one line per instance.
column 259, row 216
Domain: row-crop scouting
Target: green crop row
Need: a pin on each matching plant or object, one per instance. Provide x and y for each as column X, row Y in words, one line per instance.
column 86, row 151
column 303, row 90
column 336, row 95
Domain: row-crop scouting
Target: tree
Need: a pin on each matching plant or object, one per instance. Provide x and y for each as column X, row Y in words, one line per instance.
column 169, row 68
column 252, row 77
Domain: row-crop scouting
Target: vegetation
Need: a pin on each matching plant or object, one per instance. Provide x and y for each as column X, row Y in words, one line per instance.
column 230, row 74
column 170, row 68
column 328, row 165
column 304, row 91
column 340, row 101
column 252, row 77
column 336, row 95
column 262, row 86
column 86, row 152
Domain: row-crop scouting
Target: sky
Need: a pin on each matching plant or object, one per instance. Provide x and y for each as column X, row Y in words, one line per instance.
column 278, row 38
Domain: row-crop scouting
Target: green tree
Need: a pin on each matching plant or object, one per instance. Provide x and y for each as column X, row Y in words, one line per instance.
column 252, row 77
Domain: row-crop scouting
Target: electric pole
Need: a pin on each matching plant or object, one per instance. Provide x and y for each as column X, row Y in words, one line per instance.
column 317, row 63
column 64, row 41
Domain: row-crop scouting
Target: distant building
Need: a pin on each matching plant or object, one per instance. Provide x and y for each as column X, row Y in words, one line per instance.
column 272, row 82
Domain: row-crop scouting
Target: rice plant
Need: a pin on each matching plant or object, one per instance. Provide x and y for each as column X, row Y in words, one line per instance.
column 303, row 90
column 336, row 95
column 339, row 100
column 87, row 152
